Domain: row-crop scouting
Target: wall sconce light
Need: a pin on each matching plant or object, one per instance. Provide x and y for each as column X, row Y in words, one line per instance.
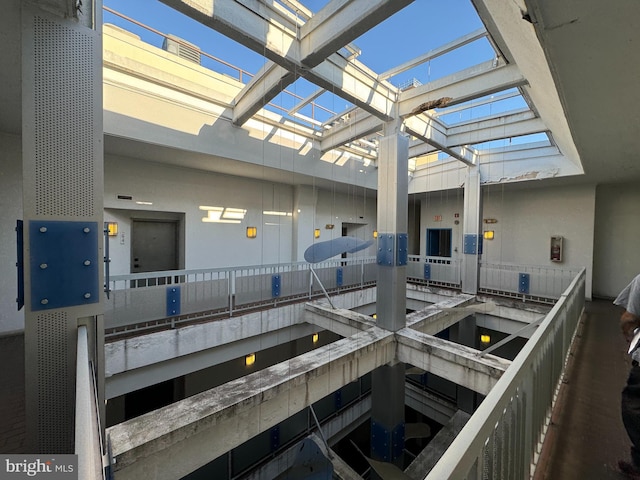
column 484, row 338
column 488, row 234
column 329, row 226
column 112, row 228
column 375, row 234
column 316, row 233
column 250, row 359
column 315, row 338
column 252, row 232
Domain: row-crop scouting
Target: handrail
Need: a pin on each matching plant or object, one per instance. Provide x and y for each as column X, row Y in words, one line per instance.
column 504, row 434
column 87, row 431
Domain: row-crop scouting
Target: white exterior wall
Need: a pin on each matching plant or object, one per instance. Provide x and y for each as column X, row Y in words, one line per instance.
column 11, row 207
column 617, row 238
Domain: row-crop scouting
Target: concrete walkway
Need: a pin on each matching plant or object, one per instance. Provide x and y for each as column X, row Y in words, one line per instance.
column 586, row 438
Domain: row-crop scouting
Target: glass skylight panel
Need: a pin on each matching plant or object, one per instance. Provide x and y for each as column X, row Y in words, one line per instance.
column 519, row 140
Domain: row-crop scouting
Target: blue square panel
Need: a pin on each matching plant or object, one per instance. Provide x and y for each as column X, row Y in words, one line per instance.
column 275, row 286
column 63, row 264
column 523, row 283
column 339, row 276
column 470, row 244
column 386, row 254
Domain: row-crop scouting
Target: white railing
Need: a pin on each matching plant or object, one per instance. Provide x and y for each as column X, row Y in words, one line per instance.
column 141, row 298
column 87, row 432
column 539, row 281
column 144, row 299
column 437, row 270
column 504, row 436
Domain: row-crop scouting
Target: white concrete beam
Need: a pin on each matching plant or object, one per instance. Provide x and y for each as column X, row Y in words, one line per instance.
column 506, row 126
column 340, row 22
column 356, row 83
column 475, row 82
column 360, row 124
column 435, row 53
column 341, row 321
column 263, row 87
column 438, row 317
column 200, row 428
column 270, row 32
column 454, row 362
column 430, row 131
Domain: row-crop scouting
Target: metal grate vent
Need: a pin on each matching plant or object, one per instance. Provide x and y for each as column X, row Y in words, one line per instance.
column 182, row 48
column 64, row 120
column 55, row 411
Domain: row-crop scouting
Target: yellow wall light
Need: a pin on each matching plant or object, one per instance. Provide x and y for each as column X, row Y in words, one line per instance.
column 315, row 338
column 252, row 232
column 484, row 338
column 316, row 233
column 250, row 359
column 112, row 228
column 488, row 235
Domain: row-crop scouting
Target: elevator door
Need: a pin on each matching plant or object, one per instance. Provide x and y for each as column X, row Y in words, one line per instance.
column 154, row 246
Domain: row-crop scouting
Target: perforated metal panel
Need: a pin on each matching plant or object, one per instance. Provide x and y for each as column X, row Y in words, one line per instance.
column 64, row 120
column 62, row 182
column 55, row 411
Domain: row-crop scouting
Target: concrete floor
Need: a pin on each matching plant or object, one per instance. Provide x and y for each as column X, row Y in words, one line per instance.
column 586, row 438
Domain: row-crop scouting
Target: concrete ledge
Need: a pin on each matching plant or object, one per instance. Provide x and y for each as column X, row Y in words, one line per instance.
column 201, row 428
column 457, row 363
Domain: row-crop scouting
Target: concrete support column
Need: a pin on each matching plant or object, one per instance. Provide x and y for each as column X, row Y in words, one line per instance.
column 472, row 228
column 304, row 214
column 387, row 411
column 62, row 229
column 467, row 333
column 392, row 245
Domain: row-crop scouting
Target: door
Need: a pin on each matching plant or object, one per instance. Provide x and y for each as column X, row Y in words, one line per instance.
column 438, row 242
column 154, row 246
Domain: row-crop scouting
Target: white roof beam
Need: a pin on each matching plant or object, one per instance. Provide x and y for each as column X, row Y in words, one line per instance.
column 480, row 132
column 476, row 103
column 475, row 82
column 340, row 22
column 306, row 101
column 263, row 87
column 270, row 32
column 436, row 52
column 361, row 126
column 430, row 131
column 354, row 82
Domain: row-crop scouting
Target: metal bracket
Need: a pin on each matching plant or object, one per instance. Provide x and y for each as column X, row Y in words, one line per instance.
column 523, row 283
column 173, row 301
column 20, row 262
column 339, row 276
column 470, row 244
column 275, row 286
column 427, row 271
column 403, row 249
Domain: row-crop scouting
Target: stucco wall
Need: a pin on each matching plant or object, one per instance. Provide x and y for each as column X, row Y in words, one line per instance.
column 617, row 238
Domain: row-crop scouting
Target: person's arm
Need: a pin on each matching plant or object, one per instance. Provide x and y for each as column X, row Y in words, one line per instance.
column 629, row 322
